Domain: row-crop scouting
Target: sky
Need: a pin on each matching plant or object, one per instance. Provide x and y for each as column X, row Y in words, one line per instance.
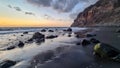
column 41, row 13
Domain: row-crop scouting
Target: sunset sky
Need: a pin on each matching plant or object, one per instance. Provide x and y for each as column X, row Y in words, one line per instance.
column 40, row 13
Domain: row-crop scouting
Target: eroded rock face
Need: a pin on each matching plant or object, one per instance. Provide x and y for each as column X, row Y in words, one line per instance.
column 102, row 13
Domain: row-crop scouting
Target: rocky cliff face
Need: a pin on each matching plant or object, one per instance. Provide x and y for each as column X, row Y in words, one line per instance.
column 102, row 13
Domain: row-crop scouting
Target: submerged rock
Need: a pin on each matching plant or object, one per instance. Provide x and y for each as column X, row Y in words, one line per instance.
column 7, row 64
column 95, row 41
column 43, row 30
column 11, row 47
column 51, row 36
column 21, row 44
column 85, row 42
column 50, row 31
column 80, row 35
column 90, row 35
column 43, row 57
column 106, row 51
column 25, row 32
column 78, row 43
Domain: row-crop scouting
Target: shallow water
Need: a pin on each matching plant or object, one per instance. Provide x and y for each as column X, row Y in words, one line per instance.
column 11, row 38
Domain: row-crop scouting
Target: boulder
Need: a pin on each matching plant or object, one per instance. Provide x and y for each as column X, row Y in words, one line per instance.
column 51, row 36
column 69, row 29
column 106, row 51
column 95, row 41
column 43, row 30
column 38, row 37
column 7, row 64
column 85, row 42
column 20, row 44
column 50, row 31
column 25, row 32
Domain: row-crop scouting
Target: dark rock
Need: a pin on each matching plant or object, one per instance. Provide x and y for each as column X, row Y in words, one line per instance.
column 64, row 30
column 95, row 41
column 38, row 35
column 118, row 31
column 90, row 35
column 69, row 35
column 51, row 37
column 7, row 64
column 9, row 39
column 77, row 36
column 14, row 35
column 85, row 42
column 50, row 31
column 69, row 29
column 78, row 43
column 20, row 44
column 107, row 51
column 22, row 35
column 11, row 47
column 30, row 40
column 80, row 35
column 25, row 32
column 39, row 41
column 43, row 30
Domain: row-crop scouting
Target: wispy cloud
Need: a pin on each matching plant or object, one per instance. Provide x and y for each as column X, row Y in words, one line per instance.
column 9, row 6
column 19, row 9
column 29, row 13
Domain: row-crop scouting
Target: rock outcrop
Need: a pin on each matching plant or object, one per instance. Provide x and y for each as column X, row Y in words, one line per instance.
column 102, row 13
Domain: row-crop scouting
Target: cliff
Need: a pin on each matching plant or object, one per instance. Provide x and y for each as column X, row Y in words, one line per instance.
column 102, row 13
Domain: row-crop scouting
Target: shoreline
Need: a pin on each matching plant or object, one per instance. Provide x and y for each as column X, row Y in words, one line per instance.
column 64, row 51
